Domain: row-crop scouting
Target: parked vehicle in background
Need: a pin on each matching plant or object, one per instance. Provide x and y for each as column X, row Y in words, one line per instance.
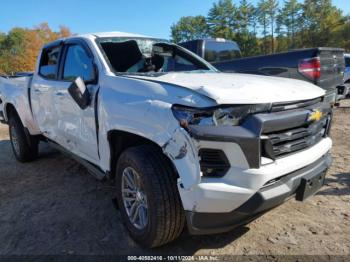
column 322, row 66
column 182, row 141
column 347, row 72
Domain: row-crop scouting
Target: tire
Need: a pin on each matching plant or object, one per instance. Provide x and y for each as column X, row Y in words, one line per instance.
column 165, row 217
column 24, row 146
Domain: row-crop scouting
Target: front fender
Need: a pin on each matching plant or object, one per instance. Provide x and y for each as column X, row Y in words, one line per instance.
column 154, row 121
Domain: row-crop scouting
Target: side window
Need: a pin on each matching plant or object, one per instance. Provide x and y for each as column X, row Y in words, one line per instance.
column 347, row 61
column 78, row 63
column 191, row 45
column 48, row 62
column 177, row 64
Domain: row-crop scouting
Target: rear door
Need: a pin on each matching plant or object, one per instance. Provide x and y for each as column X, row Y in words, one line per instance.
column 76, row 128
column 42, row 90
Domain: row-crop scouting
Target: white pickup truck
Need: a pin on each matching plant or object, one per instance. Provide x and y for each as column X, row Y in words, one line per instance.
column 184, row 143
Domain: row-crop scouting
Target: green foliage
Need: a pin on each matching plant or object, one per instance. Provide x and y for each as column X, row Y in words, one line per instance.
column 262, row 17
column 222, row 19
column 189, row 28
column 246, row 39
column 266, row 28
column 19, row 48
column 320, row 19
column 246, row 13
column 289, row 21
column 249, row 43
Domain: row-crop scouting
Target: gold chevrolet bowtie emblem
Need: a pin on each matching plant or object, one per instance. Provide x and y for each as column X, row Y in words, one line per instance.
column 316, row 115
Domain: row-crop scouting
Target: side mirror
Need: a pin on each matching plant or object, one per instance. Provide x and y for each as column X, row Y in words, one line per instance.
column 79, row 93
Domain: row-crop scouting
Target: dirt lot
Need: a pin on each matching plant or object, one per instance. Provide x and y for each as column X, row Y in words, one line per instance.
column 52, row 206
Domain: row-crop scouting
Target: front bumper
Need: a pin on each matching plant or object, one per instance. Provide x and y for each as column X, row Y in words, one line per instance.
column 227, row 193
column 269, row 196
column 234, row 164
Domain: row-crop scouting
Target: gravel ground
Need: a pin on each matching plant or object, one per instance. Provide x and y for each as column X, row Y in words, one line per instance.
column 53, row 206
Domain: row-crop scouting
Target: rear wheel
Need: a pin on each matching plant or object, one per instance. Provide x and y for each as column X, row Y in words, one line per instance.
column 148, row 197
column 24, row 146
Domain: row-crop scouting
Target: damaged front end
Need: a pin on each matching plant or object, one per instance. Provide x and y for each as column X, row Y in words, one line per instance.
column 180, row 148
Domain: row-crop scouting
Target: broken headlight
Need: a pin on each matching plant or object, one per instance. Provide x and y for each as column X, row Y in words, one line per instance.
column 216, row 116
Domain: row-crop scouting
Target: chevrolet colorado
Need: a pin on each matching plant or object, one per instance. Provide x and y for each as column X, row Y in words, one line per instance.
column 184, row 143
column 322, row 66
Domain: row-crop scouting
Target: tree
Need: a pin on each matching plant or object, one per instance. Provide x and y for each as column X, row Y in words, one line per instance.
column 222, row 19
column 320, row 18
column 189, row 28
column 245, row 15
column 272, row 8
column 64, row 32
column 265, row 28
column 12, row 50
column 255, row 20
column 247, row 40
column 263, row 20
column 291, row 19
column 248, row 43
column 20, row 47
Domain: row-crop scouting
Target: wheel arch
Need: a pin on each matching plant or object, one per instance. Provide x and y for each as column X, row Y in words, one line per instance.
column 120, row 140
column 9, row 108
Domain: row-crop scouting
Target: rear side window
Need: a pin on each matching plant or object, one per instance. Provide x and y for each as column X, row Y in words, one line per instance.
column 191, row 45
column 221, row 51
column 347, row 61
column 78, row 63
column 49, row 62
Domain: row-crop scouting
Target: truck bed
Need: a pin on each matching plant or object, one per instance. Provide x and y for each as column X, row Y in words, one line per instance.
column 286, row 64
column 15, row 90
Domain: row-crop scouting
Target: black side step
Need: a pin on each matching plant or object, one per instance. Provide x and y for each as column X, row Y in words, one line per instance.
column 93, row 169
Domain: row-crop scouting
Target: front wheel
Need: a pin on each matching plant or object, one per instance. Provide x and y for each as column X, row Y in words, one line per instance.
column 148, row 197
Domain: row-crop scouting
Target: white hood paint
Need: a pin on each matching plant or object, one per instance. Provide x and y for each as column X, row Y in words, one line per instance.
column 231, row 88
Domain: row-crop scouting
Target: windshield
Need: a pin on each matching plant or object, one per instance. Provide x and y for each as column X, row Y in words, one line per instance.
column 149, row 56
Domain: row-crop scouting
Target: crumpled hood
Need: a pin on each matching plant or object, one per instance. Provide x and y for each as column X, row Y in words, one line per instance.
column 232, row 88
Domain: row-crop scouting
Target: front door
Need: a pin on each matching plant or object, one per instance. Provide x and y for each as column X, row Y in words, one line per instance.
column 76, row 128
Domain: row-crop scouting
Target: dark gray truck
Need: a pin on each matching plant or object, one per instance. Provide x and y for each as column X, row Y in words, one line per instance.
column 322, row 66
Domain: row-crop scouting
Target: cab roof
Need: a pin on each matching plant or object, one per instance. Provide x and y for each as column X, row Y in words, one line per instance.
column 115, row 34
column 97, row 35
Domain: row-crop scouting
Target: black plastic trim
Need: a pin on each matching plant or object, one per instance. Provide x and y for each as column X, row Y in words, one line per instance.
column 265, row 199
column 249, row 134
column 97, row 125
column 213, row 162
column 246, row 139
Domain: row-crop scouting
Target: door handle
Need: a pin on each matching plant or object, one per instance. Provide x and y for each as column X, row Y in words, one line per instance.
column 59, row 94
column 37, row 90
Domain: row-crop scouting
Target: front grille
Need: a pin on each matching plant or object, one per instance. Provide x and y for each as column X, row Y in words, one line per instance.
column 276, row 107
column 213, row 162
column 281, row 143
